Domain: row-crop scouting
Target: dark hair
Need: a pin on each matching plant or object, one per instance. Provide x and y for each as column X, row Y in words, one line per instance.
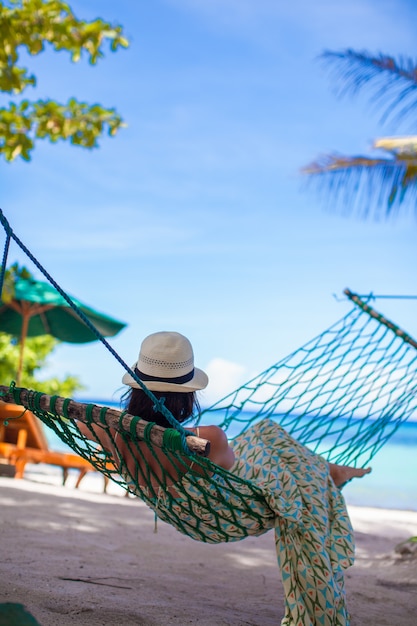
column 182, row 405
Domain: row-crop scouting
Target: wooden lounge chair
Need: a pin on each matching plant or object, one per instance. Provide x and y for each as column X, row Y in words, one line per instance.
column 22, row 441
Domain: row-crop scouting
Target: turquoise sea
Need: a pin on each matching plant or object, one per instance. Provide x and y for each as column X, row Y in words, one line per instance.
column 392, row 483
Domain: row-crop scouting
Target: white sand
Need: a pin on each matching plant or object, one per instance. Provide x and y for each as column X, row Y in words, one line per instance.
column 79, row 557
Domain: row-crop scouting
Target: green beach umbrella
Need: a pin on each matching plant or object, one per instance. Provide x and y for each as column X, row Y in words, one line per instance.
column 36, row 308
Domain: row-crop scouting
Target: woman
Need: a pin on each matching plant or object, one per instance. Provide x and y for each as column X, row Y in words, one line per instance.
column 302, row 502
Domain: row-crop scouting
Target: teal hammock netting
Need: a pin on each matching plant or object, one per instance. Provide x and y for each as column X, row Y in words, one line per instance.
column 343, row 394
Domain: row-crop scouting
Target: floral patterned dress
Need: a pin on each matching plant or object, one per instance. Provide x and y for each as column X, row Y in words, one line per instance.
column 313, row 534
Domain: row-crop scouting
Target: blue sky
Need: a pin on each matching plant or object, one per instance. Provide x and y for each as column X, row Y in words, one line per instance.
column 195, row 217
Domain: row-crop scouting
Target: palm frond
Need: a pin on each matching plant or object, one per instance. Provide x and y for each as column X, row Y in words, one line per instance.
column 392, row 83
column 366, row 185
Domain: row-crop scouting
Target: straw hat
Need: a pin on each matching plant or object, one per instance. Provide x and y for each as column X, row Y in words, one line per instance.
column 166, row 363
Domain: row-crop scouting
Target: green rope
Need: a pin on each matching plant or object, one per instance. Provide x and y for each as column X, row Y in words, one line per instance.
column 172, row 440
column 122, row 415
column 53, row 402
column 102, row 415
column 89, row 413
column 133, row 424
column 65, row 407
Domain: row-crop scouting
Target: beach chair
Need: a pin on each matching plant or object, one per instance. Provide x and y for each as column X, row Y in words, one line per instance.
column 23, row 440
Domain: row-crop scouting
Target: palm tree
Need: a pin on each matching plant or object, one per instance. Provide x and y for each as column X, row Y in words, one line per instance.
column 376, row 184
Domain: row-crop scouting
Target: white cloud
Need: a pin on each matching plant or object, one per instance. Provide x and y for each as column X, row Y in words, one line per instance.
column 225, row 377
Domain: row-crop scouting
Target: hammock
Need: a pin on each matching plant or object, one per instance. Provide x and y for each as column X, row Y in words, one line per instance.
column 343, row 394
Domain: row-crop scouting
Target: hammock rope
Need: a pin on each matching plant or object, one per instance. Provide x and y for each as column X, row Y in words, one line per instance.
column 343, row 394
column 159, row 404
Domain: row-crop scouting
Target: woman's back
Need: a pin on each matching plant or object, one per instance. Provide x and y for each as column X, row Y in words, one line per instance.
column 153, row 467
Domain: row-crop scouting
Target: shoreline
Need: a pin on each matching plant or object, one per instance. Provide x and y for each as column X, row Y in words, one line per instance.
column 78, row 557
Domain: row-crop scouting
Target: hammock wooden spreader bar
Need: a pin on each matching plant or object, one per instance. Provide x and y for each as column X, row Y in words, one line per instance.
column 112, row 418
column 381, row 319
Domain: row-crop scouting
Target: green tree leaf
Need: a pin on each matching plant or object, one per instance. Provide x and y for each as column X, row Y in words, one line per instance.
column 32, row 25
column 37, row 351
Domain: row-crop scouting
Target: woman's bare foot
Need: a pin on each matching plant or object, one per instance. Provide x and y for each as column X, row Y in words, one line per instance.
column 341, row 474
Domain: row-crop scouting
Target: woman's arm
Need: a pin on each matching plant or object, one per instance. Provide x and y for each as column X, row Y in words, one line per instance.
column 96, row 433
column 220, row 451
